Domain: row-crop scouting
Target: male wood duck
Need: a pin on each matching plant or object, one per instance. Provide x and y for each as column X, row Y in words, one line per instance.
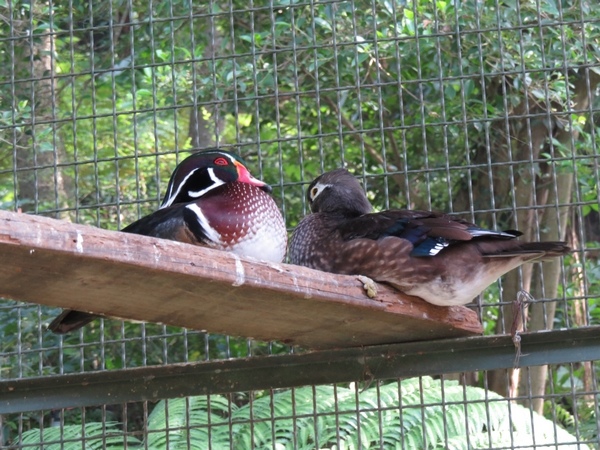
column 444, row 260
column 212, row 200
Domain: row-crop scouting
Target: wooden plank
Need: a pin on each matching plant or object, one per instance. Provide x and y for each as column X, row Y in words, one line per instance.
column 122, row 275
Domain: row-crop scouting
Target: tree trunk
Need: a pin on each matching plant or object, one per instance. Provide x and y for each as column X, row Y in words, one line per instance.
column 38, row 148
column 205, row 129
column 541, row 315
column 527, row 141
column 206, row 124
column 579, row 306
column 552, row 225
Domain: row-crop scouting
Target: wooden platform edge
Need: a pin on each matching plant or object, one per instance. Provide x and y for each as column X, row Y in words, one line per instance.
column 57, row 263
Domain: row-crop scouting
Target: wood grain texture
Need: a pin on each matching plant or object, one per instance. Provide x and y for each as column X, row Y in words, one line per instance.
column 56, row 263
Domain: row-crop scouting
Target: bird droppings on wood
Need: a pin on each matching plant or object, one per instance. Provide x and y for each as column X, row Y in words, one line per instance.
column 79, row 242
column 240, row 275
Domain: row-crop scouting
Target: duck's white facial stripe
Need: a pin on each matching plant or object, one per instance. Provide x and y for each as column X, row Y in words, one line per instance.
column 173, row 195
column 169, row 199
column 216, row 181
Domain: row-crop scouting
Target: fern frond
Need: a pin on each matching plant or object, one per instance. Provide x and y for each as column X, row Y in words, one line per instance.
column 414, row 414
column 92, row 436
column 198, row 421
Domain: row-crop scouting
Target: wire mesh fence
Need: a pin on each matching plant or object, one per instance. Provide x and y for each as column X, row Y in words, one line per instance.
column 488, row 110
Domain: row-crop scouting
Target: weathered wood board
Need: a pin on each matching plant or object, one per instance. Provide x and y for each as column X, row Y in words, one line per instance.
column 57, row 263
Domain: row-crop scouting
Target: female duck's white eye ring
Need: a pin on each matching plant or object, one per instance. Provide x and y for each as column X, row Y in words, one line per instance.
column 314, row 192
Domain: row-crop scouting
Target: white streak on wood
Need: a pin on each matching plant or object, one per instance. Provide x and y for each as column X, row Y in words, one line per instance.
column 79, row 242
column 156, row 254
column 240, row 276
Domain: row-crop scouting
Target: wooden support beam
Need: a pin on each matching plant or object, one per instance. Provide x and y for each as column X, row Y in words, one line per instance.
column 56, row 263
column 283, row 371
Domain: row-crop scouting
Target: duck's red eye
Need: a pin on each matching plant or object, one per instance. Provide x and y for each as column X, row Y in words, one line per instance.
column 221, row 162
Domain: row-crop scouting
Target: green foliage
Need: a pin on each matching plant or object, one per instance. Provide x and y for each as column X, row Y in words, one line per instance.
column 410, row 86
column 415, row 414
column 168, row 425
column 92, row 436
column 414, row 92
column 575, row 416
column 27, row 349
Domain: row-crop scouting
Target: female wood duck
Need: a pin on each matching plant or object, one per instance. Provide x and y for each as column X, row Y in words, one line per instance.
column 211, row 200
column 444, row 260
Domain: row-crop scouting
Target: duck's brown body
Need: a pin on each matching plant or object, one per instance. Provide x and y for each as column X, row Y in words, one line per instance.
column 444, row 260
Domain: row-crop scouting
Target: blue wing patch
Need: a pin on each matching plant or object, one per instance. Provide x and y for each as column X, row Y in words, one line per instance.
column 430, row 247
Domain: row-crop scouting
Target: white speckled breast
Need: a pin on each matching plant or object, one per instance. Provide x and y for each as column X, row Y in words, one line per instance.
column 245, row 220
